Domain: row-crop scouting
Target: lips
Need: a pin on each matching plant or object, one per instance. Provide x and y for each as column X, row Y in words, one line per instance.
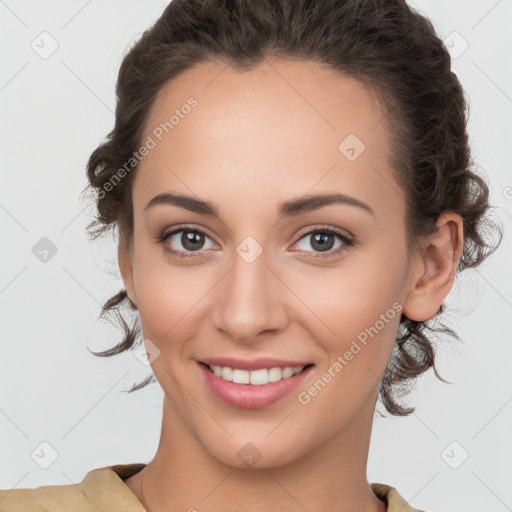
column 221, row 376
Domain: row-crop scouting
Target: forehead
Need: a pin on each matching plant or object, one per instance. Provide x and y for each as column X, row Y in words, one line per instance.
column 281, row 130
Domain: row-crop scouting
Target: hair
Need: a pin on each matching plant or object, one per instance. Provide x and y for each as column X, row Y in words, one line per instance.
column 384, row 44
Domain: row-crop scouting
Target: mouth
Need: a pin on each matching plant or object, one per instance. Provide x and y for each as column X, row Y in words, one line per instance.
column 259, row 377
column 252, row 389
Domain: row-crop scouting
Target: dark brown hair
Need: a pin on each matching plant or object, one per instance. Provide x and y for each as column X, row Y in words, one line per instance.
column 389, row 48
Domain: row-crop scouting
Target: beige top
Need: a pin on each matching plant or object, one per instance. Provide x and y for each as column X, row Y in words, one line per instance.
column 104, row 490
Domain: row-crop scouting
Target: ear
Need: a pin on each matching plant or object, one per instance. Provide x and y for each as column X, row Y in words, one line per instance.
column 436, row 265
column 125, row 258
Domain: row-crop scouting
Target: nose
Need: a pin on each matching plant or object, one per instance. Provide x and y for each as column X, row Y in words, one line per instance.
column 249, row 300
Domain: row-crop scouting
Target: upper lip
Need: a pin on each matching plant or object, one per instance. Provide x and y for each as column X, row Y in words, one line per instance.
column 253, row 364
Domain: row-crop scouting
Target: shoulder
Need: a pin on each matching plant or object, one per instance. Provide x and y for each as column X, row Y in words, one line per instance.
column 42, row 499
column 101, row 489
column 395, row 501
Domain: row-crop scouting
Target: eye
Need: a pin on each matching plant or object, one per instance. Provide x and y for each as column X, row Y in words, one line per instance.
column 190, row 240
column 187, row 238
column 323, row 241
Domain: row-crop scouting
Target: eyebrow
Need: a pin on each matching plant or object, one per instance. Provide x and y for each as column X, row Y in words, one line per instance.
column 290, row 208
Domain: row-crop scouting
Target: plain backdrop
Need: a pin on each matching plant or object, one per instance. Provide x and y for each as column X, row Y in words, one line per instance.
column 452, row 454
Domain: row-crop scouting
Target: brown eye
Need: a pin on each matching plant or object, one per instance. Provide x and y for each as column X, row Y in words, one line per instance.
column 184, row 240
column 323, row 240
column 192, row 240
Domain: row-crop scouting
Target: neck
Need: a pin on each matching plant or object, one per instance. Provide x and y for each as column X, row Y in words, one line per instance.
column 184, row 476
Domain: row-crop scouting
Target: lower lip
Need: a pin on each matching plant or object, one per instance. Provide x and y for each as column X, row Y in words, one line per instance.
column 249, row 396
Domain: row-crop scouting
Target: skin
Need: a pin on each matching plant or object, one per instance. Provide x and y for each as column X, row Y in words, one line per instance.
column 255, row 139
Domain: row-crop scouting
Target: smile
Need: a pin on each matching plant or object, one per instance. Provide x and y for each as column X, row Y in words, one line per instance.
column 255, row 388
column 254, row 377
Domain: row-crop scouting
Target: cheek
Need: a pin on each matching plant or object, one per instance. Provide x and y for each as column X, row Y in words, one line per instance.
column 168, row 300
column 362, row 288
column 358, row 302
column 362, row 310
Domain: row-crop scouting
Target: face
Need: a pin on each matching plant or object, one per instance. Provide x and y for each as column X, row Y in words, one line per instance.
column 264, row 274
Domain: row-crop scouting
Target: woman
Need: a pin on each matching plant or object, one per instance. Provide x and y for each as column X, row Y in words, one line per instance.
column 292, row 186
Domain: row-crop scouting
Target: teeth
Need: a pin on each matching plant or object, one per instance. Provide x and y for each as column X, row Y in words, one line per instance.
column 240, row 377
column 255, row 377
column 226, row 373
column 275, row 374
column 287, row 372
column 258, row 377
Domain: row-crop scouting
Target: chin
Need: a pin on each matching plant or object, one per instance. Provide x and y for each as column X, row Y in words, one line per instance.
column 256, row 451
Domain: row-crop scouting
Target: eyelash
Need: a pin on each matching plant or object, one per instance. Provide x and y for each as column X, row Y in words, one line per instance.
column 347, row 242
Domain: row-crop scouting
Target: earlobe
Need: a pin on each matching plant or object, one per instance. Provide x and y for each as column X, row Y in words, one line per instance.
column 124, row 256
column 437, row 266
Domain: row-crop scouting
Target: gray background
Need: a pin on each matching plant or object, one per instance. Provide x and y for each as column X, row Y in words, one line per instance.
column 54, row 111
